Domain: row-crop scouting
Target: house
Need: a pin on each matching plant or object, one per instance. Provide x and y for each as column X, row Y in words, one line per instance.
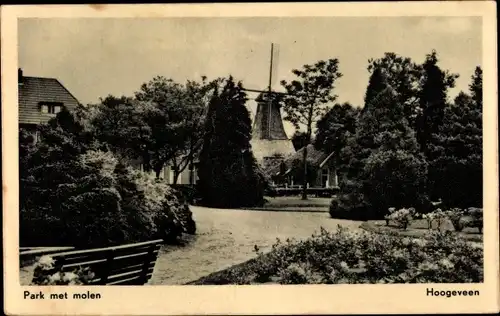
column 188, row 176
column 321, row 169
column 40, row 99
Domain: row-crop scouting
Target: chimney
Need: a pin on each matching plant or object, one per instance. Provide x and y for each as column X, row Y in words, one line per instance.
column 20, row 76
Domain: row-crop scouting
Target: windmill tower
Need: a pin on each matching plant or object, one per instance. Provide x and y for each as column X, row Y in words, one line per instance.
column 269, row 140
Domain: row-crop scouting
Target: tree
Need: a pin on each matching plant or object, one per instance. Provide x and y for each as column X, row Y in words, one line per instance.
column 455, row 155
column 476, row 87
column 403, row 75
column 197, row 97
column 119, row 122
column 299, row 140
column 228, row 172
column 432, row 100
column 175, row 120
column 335, row 128
column 383, row 162
column 306, row 99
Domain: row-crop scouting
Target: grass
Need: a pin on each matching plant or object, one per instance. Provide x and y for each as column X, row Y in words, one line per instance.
column 295, row 204
column 419, row 228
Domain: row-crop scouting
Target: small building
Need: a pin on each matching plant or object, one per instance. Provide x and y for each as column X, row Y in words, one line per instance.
column 188, row 176
column 40, row 99
column 320, row 166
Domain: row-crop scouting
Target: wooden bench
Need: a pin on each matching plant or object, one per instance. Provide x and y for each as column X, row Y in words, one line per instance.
column 131, row 264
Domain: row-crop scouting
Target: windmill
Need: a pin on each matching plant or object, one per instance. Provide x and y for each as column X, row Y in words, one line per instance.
column 269, row 139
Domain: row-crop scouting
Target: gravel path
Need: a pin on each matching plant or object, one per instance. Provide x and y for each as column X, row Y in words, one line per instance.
column 228, row 237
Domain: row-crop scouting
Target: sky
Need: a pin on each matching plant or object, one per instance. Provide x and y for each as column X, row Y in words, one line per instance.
column 95, row 57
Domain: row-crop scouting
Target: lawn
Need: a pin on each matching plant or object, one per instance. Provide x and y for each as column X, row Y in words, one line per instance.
column 296, row 204
column 419, row 228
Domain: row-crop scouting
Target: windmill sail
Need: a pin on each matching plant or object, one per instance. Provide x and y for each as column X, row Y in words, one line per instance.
column 274, row 65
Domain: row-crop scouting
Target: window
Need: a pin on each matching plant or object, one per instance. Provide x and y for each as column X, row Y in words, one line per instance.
column 325, row 178
column 50, row 107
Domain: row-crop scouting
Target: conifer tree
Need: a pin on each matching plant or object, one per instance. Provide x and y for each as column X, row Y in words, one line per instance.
column 228, row 172
column 432, row 100
column 385, row 167
column 455, row 158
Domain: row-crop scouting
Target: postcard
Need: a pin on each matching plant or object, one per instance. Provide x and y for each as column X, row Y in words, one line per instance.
column 250, row 158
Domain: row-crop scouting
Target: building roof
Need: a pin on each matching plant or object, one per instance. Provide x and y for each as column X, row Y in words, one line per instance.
column 263, row 148
column 33, row 90
column 315, row 157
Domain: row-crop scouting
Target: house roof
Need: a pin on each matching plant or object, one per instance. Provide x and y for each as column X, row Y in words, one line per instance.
column 34, row 90
column 315, row 157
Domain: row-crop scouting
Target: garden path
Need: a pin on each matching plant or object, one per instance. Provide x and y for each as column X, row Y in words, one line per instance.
column 227, row 237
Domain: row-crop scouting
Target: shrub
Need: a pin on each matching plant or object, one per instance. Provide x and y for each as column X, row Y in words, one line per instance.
column 360, row 257
column 476, row 215
column 394, row 178
column 402, row 217
column 455, row 216
column 93, row 201
column 350, row 204
column 388, row 216
column 437, row 216
column 299, row 273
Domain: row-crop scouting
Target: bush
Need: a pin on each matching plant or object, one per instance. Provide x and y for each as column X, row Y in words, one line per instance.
column 455, row 216
column 403, row 217
column 350, row 204
column 299, row 273
column 394, row 178
column 476, row 215
column 187, row 193
column 94, row 201
column 361, row 257
column 341, row 208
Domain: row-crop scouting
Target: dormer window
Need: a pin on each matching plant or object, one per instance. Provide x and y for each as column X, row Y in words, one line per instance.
column 50, row 107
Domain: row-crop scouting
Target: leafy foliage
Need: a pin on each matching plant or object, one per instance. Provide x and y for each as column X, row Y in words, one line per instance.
column 175, row 119
column 73, row 191
column 335, row 128
column 45, row 273
column 403, row 217
column 455, row 157
column 307, row 96
column 432, row 100
column 299, row 140
column 346, row 257
column 381, row 160
column 228, row 172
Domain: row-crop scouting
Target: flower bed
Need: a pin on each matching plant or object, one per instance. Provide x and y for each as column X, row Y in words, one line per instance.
column 349, row 257
column 407, row 222
column 418, row 228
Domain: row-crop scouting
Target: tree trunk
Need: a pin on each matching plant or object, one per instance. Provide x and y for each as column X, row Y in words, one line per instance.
column 304, row 180
column 176, row 176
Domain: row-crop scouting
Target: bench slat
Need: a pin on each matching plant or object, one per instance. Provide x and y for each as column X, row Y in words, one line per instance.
column 79, row 255
column 101, row 256
column 138, row 280
column 128, row 274
column 115, row 248
column 138, row 264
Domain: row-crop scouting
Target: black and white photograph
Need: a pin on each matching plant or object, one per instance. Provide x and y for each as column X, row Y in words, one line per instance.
column 251, row 150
